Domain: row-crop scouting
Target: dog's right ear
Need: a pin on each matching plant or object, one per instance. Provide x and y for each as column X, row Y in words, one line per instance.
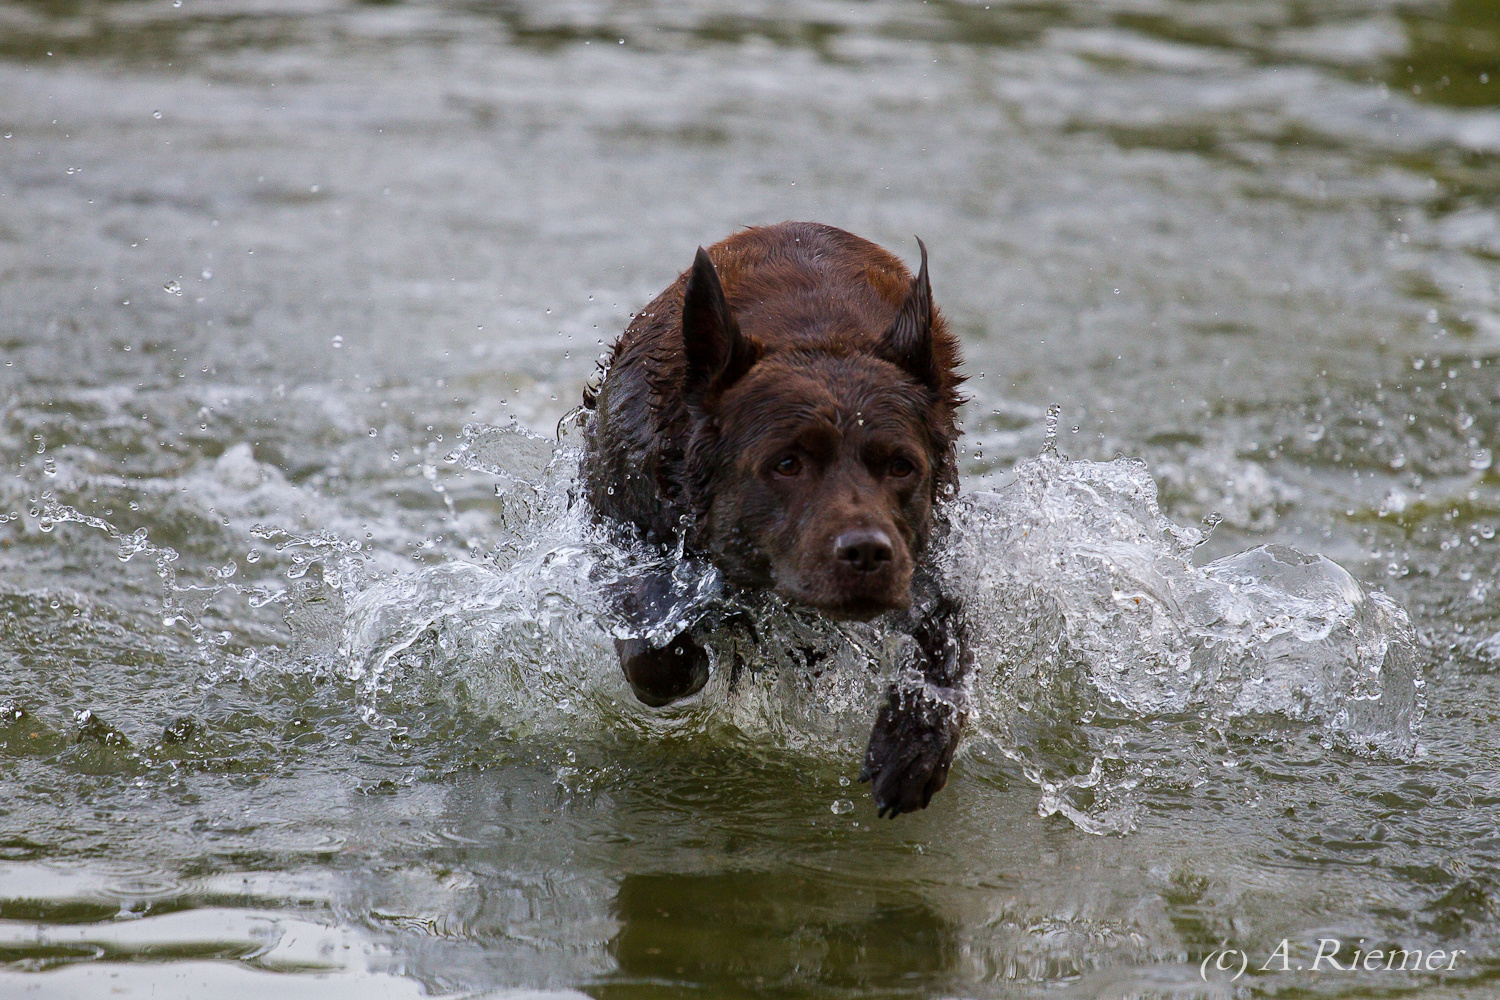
column 718, row 355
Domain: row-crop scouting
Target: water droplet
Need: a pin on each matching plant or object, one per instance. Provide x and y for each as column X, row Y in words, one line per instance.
column 1481, row 460
column 338, row 341
column 49, row 468
column 156, row 114
column 45, row 524
column 841, row 806
column 1314, row 432
column 207, row 274
column 1486, row 531
column 172, row 287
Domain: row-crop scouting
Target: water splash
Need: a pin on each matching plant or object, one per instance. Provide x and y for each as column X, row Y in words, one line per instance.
column 1098, row 643
column 1091, row 622
column 1087, row 614
column 50, row 513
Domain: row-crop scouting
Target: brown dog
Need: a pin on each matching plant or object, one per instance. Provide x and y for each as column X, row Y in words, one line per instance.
column 787, row 407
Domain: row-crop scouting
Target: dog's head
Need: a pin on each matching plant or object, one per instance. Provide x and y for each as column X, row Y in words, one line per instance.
column 815, row 469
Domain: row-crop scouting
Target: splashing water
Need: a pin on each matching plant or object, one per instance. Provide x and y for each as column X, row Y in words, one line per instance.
column 1086, row 613
column 1090, row 626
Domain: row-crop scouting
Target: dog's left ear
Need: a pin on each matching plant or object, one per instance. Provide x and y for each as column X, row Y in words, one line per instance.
column 908, row 342
column 718, row 355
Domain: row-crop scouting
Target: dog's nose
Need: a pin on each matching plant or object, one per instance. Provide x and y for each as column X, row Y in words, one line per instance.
column 865, row 549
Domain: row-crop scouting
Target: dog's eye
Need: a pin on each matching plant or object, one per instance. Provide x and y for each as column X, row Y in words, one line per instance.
column 901, row 468
column 789, row 466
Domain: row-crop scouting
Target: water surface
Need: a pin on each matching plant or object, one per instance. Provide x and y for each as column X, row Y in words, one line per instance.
column 305, row 684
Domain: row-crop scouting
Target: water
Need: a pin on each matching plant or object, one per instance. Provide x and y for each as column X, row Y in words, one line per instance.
column 306, row 682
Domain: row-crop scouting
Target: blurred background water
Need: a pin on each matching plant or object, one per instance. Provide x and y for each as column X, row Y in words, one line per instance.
column 303, row 685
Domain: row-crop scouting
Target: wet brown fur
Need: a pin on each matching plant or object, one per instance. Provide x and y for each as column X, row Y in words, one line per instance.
column 787, row 407
column 816, row 304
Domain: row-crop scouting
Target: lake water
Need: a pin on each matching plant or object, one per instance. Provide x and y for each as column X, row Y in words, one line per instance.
column 306, row 685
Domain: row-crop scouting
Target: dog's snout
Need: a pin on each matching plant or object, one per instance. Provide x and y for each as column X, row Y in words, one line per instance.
column 865, row 550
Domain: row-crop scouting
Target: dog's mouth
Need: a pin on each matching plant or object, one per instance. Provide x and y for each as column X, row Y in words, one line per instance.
column 860, row 611
column 848, row 607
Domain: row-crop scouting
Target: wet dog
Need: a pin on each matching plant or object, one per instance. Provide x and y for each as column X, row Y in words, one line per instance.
column 787, row 409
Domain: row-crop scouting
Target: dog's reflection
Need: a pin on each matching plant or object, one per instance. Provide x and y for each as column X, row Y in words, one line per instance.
column 780, row 932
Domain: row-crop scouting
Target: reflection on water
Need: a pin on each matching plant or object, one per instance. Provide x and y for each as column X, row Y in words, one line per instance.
column 728, row 932
column 305, row 684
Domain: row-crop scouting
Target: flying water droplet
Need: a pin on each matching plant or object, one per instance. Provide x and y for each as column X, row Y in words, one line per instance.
column 172, row 287
column 1049, row 444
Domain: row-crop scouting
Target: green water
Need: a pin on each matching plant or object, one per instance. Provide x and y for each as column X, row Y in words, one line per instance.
column 261, row 264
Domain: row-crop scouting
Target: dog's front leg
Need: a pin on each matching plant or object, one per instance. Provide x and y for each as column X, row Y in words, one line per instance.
column 658, row 674
column 912, row 744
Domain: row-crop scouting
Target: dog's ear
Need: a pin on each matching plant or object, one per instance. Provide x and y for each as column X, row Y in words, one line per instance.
column 908, row 342
column 718, row 355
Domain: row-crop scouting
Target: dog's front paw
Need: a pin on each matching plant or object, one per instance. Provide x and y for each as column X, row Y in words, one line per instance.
column 911, row 748
column 661, row 676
